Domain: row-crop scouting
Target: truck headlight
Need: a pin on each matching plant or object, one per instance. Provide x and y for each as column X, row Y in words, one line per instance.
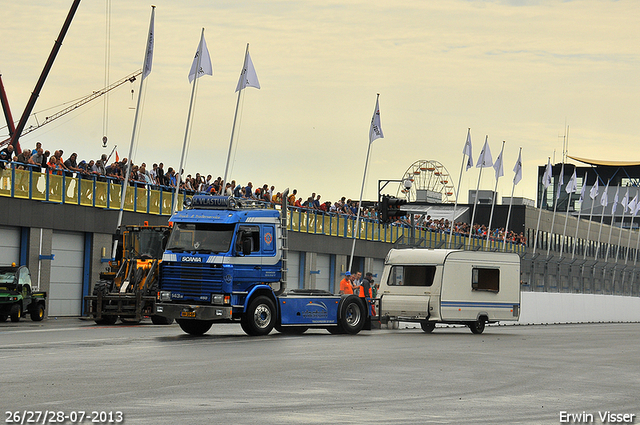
column 164, row 295
column 220, row 299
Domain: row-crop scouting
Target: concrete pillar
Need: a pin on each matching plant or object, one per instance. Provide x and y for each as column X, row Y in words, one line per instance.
column 309, row 267
column 342, row 262
column 101, row 250
column 40, row 244
column 368, row 266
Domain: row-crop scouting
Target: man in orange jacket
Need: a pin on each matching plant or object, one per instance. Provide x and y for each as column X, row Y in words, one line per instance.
column 346, row 287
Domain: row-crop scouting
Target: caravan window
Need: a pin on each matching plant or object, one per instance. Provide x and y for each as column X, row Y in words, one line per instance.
column 411, row 275
column 485, row 279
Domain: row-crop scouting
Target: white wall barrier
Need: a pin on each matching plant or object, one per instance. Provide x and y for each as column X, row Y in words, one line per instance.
column 549, row 307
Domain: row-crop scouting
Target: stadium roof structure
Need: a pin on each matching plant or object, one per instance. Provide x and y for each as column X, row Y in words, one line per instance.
column 606, row 163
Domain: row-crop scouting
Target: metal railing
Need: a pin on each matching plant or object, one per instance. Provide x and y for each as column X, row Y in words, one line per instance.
column 104, row 192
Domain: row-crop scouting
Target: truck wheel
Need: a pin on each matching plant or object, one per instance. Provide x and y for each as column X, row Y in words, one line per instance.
column 291, row 330
column 351, row 315
column 38, row 313
column 107, row 320
column 16, row 313
column 260, row 317
column 427, row 326
column 477, row 327
column 194, row 327
column 160, row 320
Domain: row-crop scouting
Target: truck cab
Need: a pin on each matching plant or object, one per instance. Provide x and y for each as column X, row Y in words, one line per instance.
column 226, row 261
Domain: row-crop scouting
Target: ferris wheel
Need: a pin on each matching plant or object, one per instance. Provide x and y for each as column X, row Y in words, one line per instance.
column 427, row 180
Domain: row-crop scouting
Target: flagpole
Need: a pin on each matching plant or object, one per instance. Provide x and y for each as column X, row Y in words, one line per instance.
column 493, row 197
column 455, row 205
column 186, row 130
column 535, row 240
column 613, row 212
column 566, row 216
column 475, row 202
column 555, row 206
column 506, row 225
column 235, row 117
column 146, row 70
column 606, row 189
column 364, row 178
column 633, row 214
column 624, row 210
column 590, row 217
column 575, row 238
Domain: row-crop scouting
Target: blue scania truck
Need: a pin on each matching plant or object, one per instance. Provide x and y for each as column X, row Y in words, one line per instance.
column 226, row 261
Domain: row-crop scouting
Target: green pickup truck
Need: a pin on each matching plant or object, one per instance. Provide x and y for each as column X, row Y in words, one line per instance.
column 16, row 296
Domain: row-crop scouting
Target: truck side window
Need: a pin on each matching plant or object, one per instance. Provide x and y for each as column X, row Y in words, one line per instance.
column 248, row 232
column 483, row 279
column 411, row 275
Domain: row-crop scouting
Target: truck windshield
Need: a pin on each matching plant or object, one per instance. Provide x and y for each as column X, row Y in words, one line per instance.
column 201, row 237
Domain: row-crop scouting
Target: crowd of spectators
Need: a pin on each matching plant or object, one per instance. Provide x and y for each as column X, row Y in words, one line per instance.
column 156, row 177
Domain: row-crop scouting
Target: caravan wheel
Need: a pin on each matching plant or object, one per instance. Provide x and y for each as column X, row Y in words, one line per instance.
column 477, row 327
column 427, row 326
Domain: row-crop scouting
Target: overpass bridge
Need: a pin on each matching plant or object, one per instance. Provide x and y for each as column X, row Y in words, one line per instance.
column 62, row 227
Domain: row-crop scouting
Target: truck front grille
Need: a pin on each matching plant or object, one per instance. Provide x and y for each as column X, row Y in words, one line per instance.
column 191, row 280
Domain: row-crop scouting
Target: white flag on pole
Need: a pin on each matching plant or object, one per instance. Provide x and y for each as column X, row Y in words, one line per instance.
column 560, row 182
column 584, row 186
column 375, row 132
column 593, row 193
column 625, row 200
column 517, row 169
column 467, row 150
column 205, row 62
column 546, row 177
column 572, row 185
column 485, row 159
column 248, row 76
column 615, row 201
column 148, row 54
column 604, row 199
column 498, row 165
column 633, row 205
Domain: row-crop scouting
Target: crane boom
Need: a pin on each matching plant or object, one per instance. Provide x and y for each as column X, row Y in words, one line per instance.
column 86, row 99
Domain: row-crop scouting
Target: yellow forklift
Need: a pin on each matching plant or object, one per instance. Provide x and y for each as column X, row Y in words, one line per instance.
column 127, row 289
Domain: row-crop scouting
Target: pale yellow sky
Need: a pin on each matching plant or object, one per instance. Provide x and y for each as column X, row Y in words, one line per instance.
column 513, row 70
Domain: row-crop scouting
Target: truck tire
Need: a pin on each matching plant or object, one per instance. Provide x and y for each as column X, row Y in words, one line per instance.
column 427, row 326
column 260, row 317
column 16, row 313
column 352, row 316
column 160, row 320
column 195, row 327
column 291, row 330
column 107, row 320
column 37, row 314
column 477, row 327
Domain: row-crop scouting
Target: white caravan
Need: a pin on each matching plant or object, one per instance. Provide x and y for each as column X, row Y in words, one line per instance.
column 432, row 286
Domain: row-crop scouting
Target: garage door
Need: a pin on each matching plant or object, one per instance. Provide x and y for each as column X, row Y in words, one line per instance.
column 293, row 269
column 323, row 264
column 9, row 245
column 378, row 267
column 65, row 290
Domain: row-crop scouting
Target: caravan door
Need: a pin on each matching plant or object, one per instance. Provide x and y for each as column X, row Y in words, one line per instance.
column 406, row 290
